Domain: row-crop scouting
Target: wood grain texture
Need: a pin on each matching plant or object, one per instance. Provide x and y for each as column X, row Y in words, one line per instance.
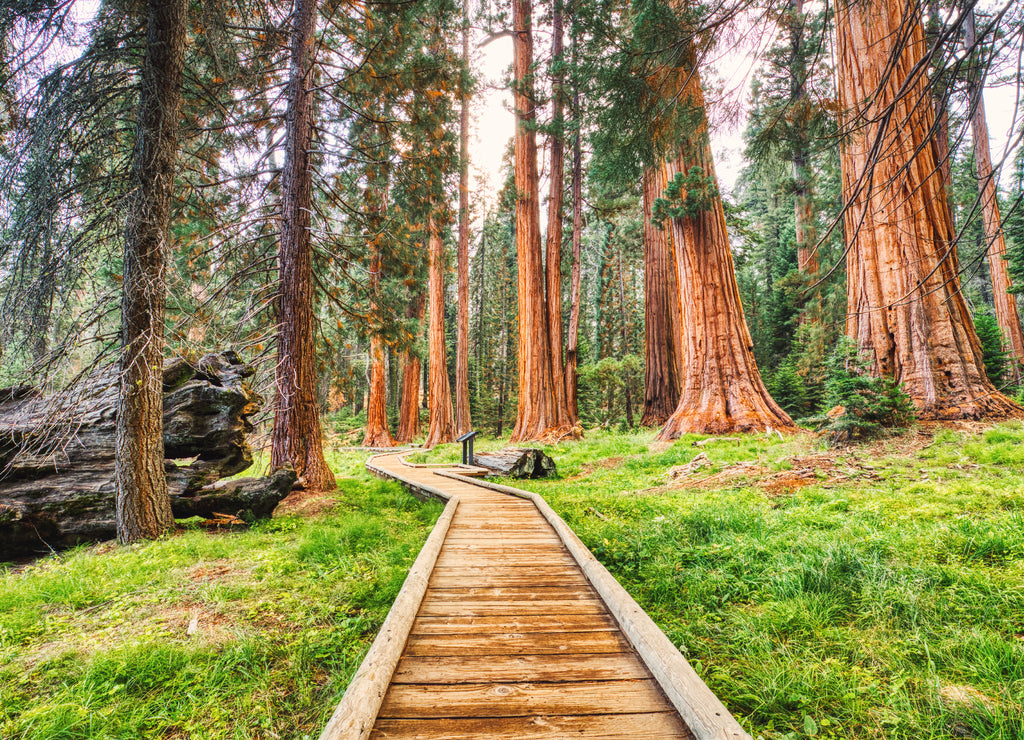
column 451, row 625
column 653, row 726
column 499, row 645
column 518, row 668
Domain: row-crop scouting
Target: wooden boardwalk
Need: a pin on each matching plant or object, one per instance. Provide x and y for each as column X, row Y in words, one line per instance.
column 503, row 635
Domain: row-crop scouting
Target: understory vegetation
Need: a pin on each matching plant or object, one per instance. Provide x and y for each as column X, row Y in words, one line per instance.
column 874, row 590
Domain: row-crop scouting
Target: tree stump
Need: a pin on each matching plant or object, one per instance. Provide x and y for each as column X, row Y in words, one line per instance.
column 517, row 463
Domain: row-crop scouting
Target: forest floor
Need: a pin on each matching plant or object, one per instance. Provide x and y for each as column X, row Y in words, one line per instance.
column 873, row 591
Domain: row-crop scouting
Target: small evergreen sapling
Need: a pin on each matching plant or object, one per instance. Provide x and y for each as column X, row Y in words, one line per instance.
column 992, row 347
column 861, row 405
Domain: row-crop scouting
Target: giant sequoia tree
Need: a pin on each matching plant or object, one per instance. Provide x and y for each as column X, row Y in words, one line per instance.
column 721, row 389
column 905, row 308
column 143, row 506
column 297, row 436
column 542, row 413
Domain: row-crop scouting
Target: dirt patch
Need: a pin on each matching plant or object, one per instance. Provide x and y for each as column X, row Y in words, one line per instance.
column 603, row 464
column 305, row 503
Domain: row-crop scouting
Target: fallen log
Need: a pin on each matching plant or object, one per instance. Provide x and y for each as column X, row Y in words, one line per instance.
column 57, row 452
column 517, row 462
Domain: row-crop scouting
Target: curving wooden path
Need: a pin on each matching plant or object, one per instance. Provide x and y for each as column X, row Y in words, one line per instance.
column 508, row 628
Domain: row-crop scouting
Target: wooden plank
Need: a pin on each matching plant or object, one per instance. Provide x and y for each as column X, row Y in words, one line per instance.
column 518, row 668
column 502, row 607
column 525, row 568
column 506, row 580
column 510, row 594
column 355, row 714
column 701, row 710
column 654, row 726
column 461, row 559
column 408, row 701
column 517, row 643
column 498, row 625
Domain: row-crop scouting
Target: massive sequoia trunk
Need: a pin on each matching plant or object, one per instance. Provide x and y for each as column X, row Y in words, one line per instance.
column 439, row 394
column 377, row 432
column 143, row 507
column 540, row 416
column 1007, row 315
column 904, row 302
column 463, row 423
column 661, row 311
column 297, row 436
column 721, row 388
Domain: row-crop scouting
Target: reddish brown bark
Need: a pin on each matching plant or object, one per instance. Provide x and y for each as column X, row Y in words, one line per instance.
column 439, row 395
column 939, row 94
column 142, row 505
column 553, row 246
column 903, row 297
column 463, row 422
column 297, row 437
column 539, row 415
column 1007, row 315
column 661, row 311
column 721, row 389
column 377, row 432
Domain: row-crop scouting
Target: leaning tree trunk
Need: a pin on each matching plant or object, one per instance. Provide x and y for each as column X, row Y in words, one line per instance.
column 439, row 394
column 904, row 302
column 143, row 509
column 721, row 388
column 1005, row 302
column 409, row 409
column 463, row 423
column 539, row 415
column 661, row 311
column 297, row 436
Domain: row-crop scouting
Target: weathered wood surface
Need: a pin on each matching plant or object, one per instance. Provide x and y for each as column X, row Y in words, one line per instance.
column 517, row 462
column 57, row 453
column 509, row 639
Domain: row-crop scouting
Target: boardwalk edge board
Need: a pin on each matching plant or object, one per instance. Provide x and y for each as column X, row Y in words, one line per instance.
column 700, row 708
column 354, row 717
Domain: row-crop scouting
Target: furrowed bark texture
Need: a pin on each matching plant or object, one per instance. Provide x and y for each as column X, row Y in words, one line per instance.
column 463, row 423
column 1007, row 315
column 441, row 427
column 143, row 509
column 539, row 416
column 721, row 388
column 553, row 245
column 409, row 409
column 661, row 311
column 903, row 295
column 297, row 436
column 377, row 432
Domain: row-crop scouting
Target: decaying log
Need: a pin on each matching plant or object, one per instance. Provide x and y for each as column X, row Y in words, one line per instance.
column 57, row 452
column 247, row 498
column 517, row 463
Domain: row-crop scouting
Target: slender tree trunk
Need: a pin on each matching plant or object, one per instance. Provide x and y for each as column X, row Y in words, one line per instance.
column 143, row 508
column 904, row 303
column 661, row 311
column 1005, row 302
column 377, row 432
column 624, row 334
column 441, row 427
column 572, row 343
column 409, row 410
column 462, row 418
column 721, row 389
column 539, row 415
column 297, row 436
column 800, row 103
column 553, row 246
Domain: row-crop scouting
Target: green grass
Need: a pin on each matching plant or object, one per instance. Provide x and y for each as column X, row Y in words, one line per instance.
column 95, row 645
column 889, row 603
column 886, row 605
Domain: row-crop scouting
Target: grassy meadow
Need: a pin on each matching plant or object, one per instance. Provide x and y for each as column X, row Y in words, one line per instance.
column 865, row 592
